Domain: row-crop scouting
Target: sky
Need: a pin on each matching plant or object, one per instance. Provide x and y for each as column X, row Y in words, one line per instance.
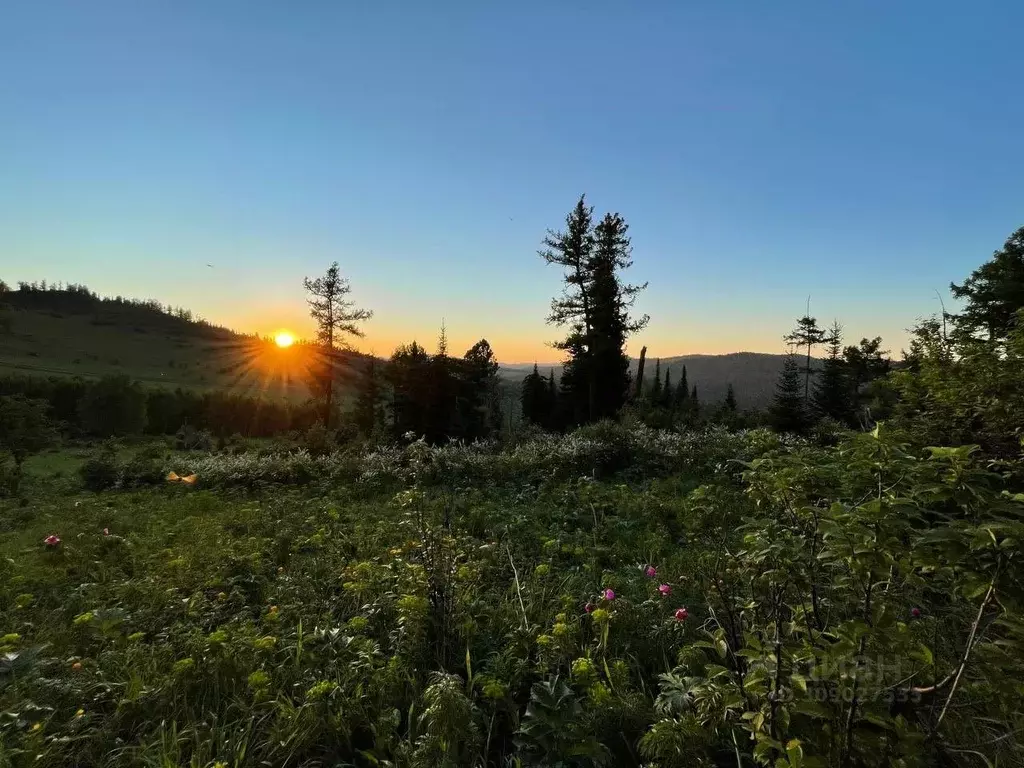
column 861, row 154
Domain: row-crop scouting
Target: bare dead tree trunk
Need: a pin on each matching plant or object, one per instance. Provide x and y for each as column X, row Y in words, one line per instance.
column 640, row 374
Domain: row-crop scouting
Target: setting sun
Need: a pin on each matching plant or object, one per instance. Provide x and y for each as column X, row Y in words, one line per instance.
column 284, row 339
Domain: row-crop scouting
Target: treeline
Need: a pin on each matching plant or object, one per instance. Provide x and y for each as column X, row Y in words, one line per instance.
column 961, row 382
column 664, row 404
column 116, row 406
column 435, row 396
column 656, row 402
column 77, row 299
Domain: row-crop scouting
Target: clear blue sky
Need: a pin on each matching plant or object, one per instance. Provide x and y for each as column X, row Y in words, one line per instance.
column 863, row 153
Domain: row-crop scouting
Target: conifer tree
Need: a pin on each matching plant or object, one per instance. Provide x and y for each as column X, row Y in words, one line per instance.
column 336, row 317
column 730, row 398
column 667, row 392
column 409, row 376
column 655, row 394
column 571, row 250
column 369, row 413
column 682, row 392
column 551, row 417
column 787, row 412
column 443, row 393
column 612, row 324
column 832, row 392
column 807, row 334
column 595, row 306
column 533, row 398
column 479, row 396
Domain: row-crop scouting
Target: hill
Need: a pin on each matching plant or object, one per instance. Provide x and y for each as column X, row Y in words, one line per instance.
column 70, row 331
column 753, row 375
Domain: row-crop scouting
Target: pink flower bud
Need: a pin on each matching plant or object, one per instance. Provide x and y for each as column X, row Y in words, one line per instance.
column 681, row 614
column 665, row 589
column 651, row 571
column 52, row 541
column 589, row 607
column 608, row 594
column 915, row 612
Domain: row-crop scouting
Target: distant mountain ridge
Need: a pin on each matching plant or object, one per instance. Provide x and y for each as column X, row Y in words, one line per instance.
column 753, row 375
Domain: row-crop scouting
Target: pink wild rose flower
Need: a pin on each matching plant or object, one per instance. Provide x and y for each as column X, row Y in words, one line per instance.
column 52, row 541
column 681, row 614
column 608, row 594
column 665, row 589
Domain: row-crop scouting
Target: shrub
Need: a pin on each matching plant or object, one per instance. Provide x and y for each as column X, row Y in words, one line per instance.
column 318, row 440
column 100, row 472
column 25, row 429
column 141, row 470
column 188, row 438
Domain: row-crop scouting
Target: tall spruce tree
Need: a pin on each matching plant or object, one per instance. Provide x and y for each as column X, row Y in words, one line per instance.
column 573, row 390
column 807, row 334
column 533, row 398
column 594, row 305
column 730, row 398
column 787, row 412
column 612, row 324
column 667, row 392
column 682, row 394
column 480, row 396
column 336, row 316
column 572, row 250
column 369, row 410
column 832, row 392
column 551, row 420
column 694, row 400
column 408, row 373
column 443, row 393
column 655, row 394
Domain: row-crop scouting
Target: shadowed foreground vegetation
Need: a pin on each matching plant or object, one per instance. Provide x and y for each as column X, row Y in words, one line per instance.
column 588, row 604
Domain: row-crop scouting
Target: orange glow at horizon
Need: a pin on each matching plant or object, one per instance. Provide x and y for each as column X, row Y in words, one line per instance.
column 284, row 339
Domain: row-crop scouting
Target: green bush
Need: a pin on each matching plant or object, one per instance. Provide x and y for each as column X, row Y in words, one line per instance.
column 141, row 470
column 188, row 438
column 318, row 440
column 100, row 472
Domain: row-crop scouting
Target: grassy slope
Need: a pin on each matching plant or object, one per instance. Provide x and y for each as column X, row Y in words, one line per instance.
column 154, row 350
